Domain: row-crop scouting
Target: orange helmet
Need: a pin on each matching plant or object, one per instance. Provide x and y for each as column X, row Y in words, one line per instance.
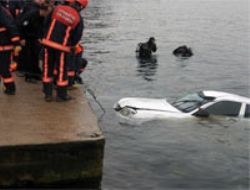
column 83, row 3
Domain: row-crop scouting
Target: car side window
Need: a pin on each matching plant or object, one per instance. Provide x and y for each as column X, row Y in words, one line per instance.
column 247, row 112
column 227, row 108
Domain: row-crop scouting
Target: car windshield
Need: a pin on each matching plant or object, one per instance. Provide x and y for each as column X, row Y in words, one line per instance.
column 190, row 102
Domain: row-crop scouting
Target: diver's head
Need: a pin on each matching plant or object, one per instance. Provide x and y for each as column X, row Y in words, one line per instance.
column 151, row 40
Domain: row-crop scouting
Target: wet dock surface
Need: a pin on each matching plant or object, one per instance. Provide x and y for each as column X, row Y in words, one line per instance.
column 41, row 138
column 27, row 119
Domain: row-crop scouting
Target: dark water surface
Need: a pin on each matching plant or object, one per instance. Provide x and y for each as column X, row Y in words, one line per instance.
column 175, row 154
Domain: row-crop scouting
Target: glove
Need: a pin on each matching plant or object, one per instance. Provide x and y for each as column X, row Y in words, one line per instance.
column 17, row 50
column 13, row 66
column 79, row 49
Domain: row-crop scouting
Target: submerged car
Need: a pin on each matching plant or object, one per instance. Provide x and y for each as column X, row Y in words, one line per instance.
column 200, row 104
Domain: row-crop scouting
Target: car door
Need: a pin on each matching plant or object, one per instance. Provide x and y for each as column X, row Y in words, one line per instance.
column 224, row 108
column 247, row 112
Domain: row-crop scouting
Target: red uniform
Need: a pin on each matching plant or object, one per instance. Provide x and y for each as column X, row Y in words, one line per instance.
column 74, row 64
column 9, row 36
column 64, row 31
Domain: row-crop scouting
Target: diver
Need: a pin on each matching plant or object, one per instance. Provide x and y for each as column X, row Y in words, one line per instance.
column 183, row 51
column 144, row 50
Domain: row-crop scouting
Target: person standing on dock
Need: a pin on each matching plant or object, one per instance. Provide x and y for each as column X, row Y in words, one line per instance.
column 30, row 24
column 9, row 38
column 15, row 7
column 63, row 33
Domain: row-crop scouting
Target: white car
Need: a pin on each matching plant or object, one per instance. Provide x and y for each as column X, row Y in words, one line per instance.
column 200, row 104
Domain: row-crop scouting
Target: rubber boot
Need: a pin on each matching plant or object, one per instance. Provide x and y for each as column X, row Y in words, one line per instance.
column 30, row 79
column 78, row 79
column 62, row 95
column 10, row 88
column 48, row 91
column 71, row 83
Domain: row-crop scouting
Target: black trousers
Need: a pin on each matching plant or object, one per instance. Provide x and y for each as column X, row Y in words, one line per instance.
column 5, row 72
column 72, row 67
column 28, row 60
column 76, row 66
column 55, row 68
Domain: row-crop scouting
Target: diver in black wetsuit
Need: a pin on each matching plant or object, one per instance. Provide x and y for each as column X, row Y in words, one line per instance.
column 144, row 50
column 183, row 51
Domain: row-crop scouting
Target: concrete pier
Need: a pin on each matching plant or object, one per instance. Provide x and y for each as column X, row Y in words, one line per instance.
column 48, row 144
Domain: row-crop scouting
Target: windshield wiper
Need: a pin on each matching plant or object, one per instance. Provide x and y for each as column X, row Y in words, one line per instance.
column 185, row 101
column 188, row 109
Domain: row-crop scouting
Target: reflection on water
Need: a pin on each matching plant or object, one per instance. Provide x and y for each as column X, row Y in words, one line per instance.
column 147, row 68
column 170, row 154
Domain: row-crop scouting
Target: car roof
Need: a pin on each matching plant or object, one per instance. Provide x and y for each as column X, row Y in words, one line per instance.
column 225, row 96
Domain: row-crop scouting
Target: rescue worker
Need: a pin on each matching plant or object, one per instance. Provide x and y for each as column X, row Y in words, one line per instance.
column 81, row 66
column 30, row 23
column 74, row 60
column 15, row 7
column 76, row 67
column 9, row 37
column 63, row 33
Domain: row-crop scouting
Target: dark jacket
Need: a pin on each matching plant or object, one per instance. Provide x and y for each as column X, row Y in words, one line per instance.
column 14, row 6
column 30, row 23
column 63, row 29
column 9, row 34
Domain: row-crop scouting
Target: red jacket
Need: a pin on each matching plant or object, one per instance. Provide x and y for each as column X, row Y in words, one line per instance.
column 64, row 29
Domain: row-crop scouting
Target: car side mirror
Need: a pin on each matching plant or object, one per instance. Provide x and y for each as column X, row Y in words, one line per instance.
column 201, row 113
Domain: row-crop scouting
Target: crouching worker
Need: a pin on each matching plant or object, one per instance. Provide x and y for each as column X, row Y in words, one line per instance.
column 76, row 67
column 9, row 37
column 64, row 31
column 82, row 64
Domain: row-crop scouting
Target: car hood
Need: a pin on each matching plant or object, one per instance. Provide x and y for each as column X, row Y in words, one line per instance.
column 147, row 104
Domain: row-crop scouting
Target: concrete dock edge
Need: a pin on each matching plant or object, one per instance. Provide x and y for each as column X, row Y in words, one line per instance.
column 49, row 145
